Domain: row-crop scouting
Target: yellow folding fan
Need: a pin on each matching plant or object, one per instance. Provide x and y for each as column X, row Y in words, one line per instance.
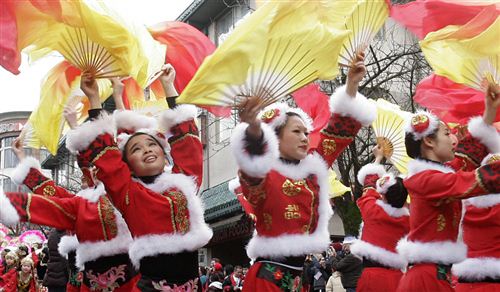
column 281, row 47
column 467, row 54
column 364, row 22
column 389, row 130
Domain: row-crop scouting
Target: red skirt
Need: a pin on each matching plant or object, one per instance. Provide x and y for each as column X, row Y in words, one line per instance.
column 478, row 287
column 379, row 279
column 272, row 278
column 425, row 278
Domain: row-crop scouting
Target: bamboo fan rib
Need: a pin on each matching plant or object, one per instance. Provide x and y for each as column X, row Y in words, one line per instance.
column 87, row 55
column 389, row 130
column 364, row 23
column 286, row 67
column 481, row 72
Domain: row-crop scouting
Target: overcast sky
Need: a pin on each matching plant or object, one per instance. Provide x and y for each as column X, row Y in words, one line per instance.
column 21, row 92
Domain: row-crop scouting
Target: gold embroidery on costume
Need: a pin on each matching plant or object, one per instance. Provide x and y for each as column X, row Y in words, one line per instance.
column 292, row 188
column 106, row 149
column 268, row 220
column 441, row 222
column 107, row 216
column 313, row 209
column 255, row 194
column 329, row 146
column 292, row 212
column 49, row 191
column 181, row 216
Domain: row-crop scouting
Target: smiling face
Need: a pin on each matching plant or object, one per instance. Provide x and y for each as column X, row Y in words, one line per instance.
column 144, row 155
column 294, row 139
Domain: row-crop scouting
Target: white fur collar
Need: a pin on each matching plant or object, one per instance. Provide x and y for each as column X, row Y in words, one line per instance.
column 391, row 211
column 312, row 164
column 418, row 165
column 169, row 180
column 484, row 201
column 92, row 194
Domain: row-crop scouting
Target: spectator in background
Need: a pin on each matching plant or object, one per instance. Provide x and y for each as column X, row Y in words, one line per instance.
column 56, row 275
column 349, row 266
column 234, row 281
column 320, row 275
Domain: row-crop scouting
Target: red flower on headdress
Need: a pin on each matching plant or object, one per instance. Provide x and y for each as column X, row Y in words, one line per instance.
column 420, row 123
column 270, row 115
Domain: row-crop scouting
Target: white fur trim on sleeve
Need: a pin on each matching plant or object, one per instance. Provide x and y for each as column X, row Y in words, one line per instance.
column 370, row 169
column 80, row 138
column 67, row 244
column 133, row 121
column 255, row 165
column 378, row 254
column 385, row 182
column 23, row 168
column 90, row 251
column 359, row 108
column 8, row 214
column 391, row 211
column 490, row 158
column 233, row 185
column 177, row 115
column 486, row 134
column 478, row 268
column 443, row 252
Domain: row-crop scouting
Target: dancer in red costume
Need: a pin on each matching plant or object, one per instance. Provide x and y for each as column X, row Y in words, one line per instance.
column 480, row 272
column 438, row 179
column 286, row 183
column 161, row 208
column 385, row 222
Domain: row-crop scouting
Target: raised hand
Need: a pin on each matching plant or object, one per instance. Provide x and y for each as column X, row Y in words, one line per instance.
column 492, row 102
column 378, row 152
column 17, row 147
column 248, row 112
column 70, row 115
column 167, row 79
column 89, row 86
column 355, row 74
column 118, row 93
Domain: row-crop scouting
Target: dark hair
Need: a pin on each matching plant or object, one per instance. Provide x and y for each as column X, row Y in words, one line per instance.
column 413, row 146
column 203, row 270
column 228, row 269
column 396, row 194
column 288, row 115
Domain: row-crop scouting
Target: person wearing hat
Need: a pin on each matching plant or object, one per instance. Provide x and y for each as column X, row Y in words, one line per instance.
column 349, row 265
column 286, row 183
column 103, row 236
column 440, row 176
column 160, row 206
column 385, row 222
column 480, row 271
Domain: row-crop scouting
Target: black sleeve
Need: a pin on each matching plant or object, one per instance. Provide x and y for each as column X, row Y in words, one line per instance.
column 255, row 146
column 94, row 113
column 171, row 102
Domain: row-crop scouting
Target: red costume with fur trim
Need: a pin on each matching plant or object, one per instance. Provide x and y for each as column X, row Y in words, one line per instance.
column 291, row 201
column 12, row 282
column 480, row 224
column 102, row 233
column 165, row 217
column 436, row 192
column 383, row 227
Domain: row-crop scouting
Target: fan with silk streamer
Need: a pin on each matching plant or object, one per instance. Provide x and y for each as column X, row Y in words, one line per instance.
column 389, row 130
column 281, row 47
column 60, row 88
column 364, row 23
column 467, row 54
column 98, row 40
